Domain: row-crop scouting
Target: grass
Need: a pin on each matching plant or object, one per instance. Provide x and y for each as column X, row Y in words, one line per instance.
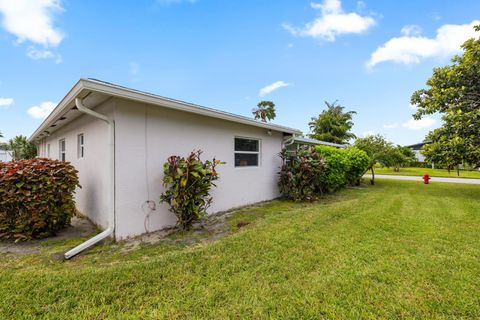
column 430, row 171
column 397, row 250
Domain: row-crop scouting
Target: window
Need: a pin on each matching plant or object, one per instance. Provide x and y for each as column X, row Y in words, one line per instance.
column 61, row 148
column 48, row 150
column 80, row 147
column 247, row 152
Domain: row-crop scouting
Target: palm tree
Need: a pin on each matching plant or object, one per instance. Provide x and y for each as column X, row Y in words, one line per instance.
column 265, row 111
column 333, row 124
column 21, row 148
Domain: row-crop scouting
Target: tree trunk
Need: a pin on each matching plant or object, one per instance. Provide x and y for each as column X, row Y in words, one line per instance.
column 372, row 182
column 458, row 171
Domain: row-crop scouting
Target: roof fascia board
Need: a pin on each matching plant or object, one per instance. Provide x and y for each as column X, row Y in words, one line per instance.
column 177, row 105
column 58, row 112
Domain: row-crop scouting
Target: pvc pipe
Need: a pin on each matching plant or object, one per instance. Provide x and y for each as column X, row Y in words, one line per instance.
column 111, row 200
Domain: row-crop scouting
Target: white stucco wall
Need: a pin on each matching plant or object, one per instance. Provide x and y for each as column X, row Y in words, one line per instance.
column 147, row 135
column 91, row 199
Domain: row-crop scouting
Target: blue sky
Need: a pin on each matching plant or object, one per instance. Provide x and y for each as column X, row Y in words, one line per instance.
column 369, row 55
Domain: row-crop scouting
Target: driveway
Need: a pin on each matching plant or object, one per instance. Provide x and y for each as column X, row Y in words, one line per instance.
column 433, row 179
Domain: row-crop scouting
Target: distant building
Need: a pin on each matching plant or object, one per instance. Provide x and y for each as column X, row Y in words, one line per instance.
column 5, row 155
column 417, row 148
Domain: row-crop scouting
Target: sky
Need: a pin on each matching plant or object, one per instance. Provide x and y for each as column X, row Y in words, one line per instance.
column 370, row 55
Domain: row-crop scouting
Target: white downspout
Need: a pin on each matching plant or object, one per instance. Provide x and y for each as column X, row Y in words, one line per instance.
column 111, row 185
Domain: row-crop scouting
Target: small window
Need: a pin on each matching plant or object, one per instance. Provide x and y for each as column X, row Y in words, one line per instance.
column 80, row 145
column 247, row 152
column 61, row 148
column 48, row 150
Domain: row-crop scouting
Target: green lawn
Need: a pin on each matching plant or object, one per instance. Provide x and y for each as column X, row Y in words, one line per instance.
column 431, row 172
column 397, row 250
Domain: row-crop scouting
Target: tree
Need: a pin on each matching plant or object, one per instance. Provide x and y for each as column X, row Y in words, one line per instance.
column 265, row 111
column 454, row 92
column 397, row 157
column 378, row 150
column 333, row 124
column 21, row 148
column 1, row 134
column 445, row 149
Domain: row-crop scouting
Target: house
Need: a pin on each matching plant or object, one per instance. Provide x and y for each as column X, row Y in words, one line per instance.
column 119, row 138
column 5, row 155
column 417, row 149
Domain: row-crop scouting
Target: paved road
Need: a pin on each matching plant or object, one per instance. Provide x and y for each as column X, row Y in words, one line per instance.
column 433, row 179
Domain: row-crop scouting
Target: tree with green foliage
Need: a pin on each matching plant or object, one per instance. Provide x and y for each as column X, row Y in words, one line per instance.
column 265, row 111
column 445, row 150
column 378, row 150
column 398, row 157
column 333, row 124
column 454, row 92
column 21, row 148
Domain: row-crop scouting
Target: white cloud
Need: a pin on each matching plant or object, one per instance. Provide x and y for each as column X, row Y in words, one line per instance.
column 37, row 54
column 32, row 20
column 367, row 133
column 411, row 47
column 272, row 87
column 5, row 102
column 390, row 125
column 423, row 123
column 42, row 111
column 332, row 22
column 134, row 68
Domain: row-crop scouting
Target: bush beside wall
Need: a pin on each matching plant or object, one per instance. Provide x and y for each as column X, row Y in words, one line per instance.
column 36, row 198
column 310, row 171
column 300, row 174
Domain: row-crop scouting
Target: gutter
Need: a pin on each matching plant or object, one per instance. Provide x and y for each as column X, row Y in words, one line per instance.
column 111, row 199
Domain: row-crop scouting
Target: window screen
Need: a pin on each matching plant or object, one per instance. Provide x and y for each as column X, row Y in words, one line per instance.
column 247, row 152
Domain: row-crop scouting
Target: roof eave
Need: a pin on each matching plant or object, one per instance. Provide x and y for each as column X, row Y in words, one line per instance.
column 130, row 94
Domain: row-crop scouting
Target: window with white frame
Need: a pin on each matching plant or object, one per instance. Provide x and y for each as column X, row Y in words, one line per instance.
column 80, row 145
column 61, row 148
column 48, row 150
column 247, row 152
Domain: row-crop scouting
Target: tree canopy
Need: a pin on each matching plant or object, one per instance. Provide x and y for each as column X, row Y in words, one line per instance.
column 265, row 111
column 378, row 150
column 454, row 92
column 333, row 124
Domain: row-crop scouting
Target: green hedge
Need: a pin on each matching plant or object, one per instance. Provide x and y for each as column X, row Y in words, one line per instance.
column 36, row 198
column 344, row 166
column 312, row 171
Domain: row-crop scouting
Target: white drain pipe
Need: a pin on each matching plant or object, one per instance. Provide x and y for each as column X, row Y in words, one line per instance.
column 111, row 199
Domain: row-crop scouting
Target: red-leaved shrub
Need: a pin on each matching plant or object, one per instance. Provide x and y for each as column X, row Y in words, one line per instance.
column 36, row 198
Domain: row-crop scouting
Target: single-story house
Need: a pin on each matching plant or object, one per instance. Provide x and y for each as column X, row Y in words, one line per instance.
column 119, row 138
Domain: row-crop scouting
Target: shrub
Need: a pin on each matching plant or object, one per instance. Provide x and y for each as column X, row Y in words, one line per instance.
column 344, row 166
column 335, row 176
column 188, row 182
column 36, row 198
column 309, row 172
column 357, row 164
column 300, row 174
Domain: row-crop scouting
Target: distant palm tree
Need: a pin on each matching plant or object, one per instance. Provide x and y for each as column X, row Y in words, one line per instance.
column 333, row 124
column 265, row 111
column 21, row 148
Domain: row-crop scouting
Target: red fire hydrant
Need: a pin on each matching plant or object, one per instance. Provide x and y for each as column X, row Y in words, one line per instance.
column 426, row 178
